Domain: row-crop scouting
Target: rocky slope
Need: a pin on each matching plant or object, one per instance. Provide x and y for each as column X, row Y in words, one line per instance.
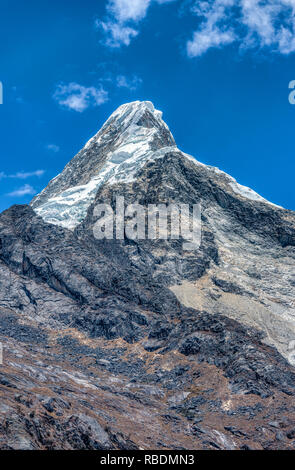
column 139, row 343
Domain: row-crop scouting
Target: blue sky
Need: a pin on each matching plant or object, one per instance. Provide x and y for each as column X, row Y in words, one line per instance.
column 218, row 69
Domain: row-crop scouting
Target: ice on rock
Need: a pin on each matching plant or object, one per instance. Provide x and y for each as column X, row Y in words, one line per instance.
column 129, row 133
column 244, row 191
column 133, row 147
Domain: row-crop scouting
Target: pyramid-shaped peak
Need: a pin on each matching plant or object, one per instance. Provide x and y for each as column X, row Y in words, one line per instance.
column 137, row 113
column 136, row 108
column 133, row 134
column 138, row 122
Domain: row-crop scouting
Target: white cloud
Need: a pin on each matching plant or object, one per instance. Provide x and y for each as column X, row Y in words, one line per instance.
column 124, row 16
column 211, row 33
column 131, row 10
column 52, row 147
column 251, row 23
column 116, row 34
column 207, row 38
column 25, row 190
column 78, row 97
column 22, row 175
column 131, row 83
column 125, row 10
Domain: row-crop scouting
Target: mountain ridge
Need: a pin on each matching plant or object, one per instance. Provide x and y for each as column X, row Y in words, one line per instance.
column 133, row 140
column 133, row 134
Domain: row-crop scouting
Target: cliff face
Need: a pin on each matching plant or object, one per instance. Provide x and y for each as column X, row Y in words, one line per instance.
column 140, row 343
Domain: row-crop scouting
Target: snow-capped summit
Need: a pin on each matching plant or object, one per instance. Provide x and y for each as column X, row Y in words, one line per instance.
column 134, row 126
column 134, row 133
column 132, row 136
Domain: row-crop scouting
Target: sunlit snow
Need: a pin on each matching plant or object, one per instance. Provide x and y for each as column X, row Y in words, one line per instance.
column 131, row 152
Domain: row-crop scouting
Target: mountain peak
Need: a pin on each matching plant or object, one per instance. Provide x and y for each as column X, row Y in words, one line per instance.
column 133, row 134
column 137, row 108
column 137, row 123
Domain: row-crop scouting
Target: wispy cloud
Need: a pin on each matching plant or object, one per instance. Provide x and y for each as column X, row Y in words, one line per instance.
column 22, row 174
column 53, row 148
column 131, row 83
column 116, row 34
column 212, row 33
column 250, row 23
column 121, row 25
column 78, row 97
column 126, row 10
column 25, row 190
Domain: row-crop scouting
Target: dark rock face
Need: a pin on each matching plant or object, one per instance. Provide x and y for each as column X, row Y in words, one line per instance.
column 138, row 344
column 95, row 291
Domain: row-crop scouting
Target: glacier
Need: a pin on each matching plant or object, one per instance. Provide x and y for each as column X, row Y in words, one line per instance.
column 133, row 135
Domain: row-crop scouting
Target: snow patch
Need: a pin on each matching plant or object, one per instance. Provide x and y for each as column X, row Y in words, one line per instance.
column 69, row 208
